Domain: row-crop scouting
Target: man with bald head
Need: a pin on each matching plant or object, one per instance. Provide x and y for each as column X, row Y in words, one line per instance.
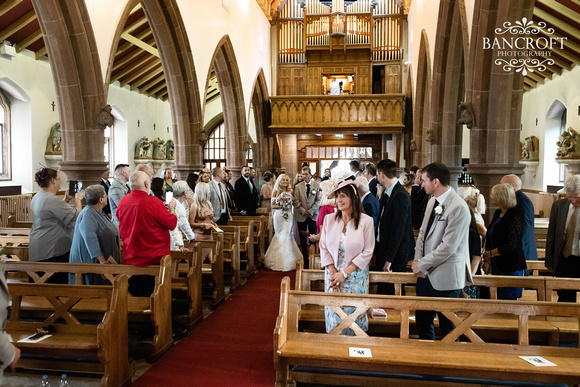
column 526, row 210
column 144, row 225
column 148, row 169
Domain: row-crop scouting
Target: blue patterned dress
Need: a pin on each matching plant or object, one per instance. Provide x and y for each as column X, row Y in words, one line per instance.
column 357, row 283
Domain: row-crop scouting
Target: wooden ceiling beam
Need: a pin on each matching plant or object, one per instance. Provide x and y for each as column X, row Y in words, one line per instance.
column 17, row 25
column 136, row 8
column 8, row 5
column 535, row 77
column 141, row 44
column 530, row 82
column 136, row 24
column 140, row 72
column 559, row 62
column 568, row 43
column 163, row 95
column 560, row 8
column 129, row 69
column 28, row 41
column 158, row 89
column 147, row 81
column 128, row 58
column 40, row 53
column 555, row 22
column 127, row 45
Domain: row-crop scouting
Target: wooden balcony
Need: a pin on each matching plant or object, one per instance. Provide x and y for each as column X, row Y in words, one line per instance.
column 355, row 113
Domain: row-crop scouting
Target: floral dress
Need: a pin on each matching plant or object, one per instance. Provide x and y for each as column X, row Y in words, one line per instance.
column 357, row 283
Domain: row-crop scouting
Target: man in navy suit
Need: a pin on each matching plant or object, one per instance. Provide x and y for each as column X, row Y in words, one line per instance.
column 371, row 175
column 106, row 184
column 395, row 241
column 526, row 210
column 369, row 201
column 246, row 193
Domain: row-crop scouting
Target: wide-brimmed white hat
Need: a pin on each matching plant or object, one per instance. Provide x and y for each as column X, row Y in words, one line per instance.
column 342, row 184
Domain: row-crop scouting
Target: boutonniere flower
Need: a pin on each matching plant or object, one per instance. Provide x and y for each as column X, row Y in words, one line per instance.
column 312, row 192
column 439, row 210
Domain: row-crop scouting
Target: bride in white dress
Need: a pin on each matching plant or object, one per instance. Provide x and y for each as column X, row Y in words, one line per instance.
column 283, row 251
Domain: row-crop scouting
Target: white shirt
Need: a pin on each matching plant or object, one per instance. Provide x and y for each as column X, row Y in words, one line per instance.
column 334, row 88
column 441, row 199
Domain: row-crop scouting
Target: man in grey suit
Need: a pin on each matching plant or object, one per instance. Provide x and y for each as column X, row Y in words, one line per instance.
column 562, row 252
column 218, row 197
column 442, row 262
column 118, row 189
column 306, row 203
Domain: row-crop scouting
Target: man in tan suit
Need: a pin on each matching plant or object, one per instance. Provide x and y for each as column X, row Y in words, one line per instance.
column 306, row 203
column 442, row 262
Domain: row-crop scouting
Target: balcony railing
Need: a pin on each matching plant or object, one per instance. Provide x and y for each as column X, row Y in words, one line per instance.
column 356, row 113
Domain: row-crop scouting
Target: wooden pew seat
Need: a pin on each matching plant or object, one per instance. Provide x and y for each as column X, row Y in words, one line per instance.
column 90, row 347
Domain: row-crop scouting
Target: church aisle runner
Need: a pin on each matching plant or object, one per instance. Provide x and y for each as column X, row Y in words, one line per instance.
column 232, row 347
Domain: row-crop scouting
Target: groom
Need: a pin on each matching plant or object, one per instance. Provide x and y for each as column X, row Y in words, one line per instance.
column 306, row 201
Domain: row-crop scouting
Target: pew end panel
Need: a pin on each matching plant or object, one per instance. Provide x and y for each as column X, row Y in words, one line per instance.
column 107, row 341
column 190, row 284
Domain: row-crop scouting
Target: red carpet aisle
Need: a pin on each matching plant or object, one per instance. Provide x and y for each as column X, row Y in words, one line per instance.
column 232, row 347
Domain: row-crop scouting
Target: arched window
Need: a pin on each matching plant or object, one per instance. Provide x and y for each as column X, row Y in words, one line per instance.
column 214, row 151
column 250, row 156
column 6, row 161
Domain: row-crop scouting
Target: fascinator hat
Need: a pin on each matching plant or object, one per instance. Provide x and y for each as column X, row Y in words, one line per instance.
column 345, row 183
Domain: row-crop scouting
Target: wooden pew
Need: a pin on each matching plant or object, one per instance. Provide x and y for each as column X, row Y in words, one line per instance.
column 13, row 223
column 14, row 231
column 537, row 267
column 15, row 247
column 260, row 230
column 156, row 308
column 186, row 284
column 325, row 353
column 246, row 246
column 215, row 269
column 231, row 251
column 75, row 339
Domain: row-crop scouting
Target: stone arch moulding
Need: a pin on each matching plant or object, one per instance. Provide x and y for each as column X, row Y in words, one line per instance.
column 263, row 152
column 74, row 62
column 448, row 85
column 183, row 92
column 233, row 107
column 421, row 104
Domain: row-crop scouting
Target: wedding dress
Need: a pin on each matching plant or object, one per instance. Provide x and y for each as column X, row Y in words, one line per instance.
column 283, row 251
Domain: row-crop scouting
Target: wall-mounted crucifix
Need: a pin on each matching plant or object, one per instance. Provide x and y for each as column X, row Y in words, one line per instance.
column 53, row 105
column 138, row 123
column 153, row 126
column 168, row 129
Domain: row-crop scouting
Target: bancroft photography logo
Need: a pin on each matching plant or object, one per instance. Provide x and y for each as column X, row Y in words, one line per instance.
column 526, row 46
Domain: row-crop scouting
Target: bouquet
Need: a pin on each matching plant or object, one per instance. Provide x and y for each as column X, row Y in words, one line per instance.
column 284, row 201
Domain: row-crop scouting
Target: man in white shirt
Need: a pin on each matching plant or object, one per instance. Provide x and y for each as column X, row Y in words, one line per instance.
column 334, row 87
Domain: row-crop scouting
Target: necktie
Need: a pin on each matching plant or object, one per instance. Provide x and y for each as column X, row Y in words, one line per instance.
column 250, row 184
column 570, row 231
column 432, row 218
column 307, row 189
column 221, row 195
column 128, row 188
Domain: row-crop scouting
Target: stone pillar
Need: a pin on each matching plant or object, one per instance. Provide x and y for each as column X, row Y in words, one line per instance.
column 288, row 154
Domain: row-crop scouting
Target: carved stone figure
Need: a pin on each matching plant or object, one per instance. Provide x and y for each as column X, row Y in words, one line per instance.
column 54, row 142
column 568, row 145
column 158, row 149
column 429, row 136
column 144, row 149
column 105, row 117
column 203, row 137
column 413, row 146
column 530, row 149
column 466, row 114
column 169, row 149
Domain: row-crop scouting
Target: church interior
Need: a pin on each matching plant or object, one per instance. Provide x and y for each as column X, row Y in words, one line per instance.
column 86, row 85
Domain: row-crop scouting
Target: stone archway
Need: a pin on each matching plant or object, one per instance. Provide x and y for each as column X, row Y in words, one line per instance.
column 264, row 150
column 74, row 62
column 421, row 106
column 177, row 60
column 448, row 86
column 496, row 96
column 233, row 107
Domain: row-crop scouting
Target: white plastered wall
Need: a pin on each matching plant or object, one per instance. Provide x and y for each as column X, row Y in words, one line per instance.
column 536, row 104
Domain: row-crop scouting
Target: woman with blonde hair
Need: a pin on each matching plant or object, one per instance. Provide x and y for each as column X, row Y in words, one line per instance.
column 201, row 217
column 283, row 251
column 504, row 240
column 476, row 203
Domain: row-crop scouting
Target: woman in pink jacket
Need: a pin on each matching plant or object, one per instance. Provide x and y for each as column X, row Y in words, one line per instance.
column 346, row 247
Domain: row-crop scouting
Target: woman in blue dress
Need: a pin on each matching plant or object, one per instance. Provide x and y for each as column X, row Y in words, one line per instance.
column 347, row 242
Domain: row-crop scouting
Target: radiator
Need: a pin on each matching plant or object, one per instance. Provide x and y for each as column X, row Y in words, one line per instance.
column 18, row 205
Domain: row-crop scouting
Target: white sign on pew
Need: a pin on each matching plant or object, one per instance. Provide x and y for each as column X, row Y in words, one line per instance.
column 359, row 352
column 538, row 361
